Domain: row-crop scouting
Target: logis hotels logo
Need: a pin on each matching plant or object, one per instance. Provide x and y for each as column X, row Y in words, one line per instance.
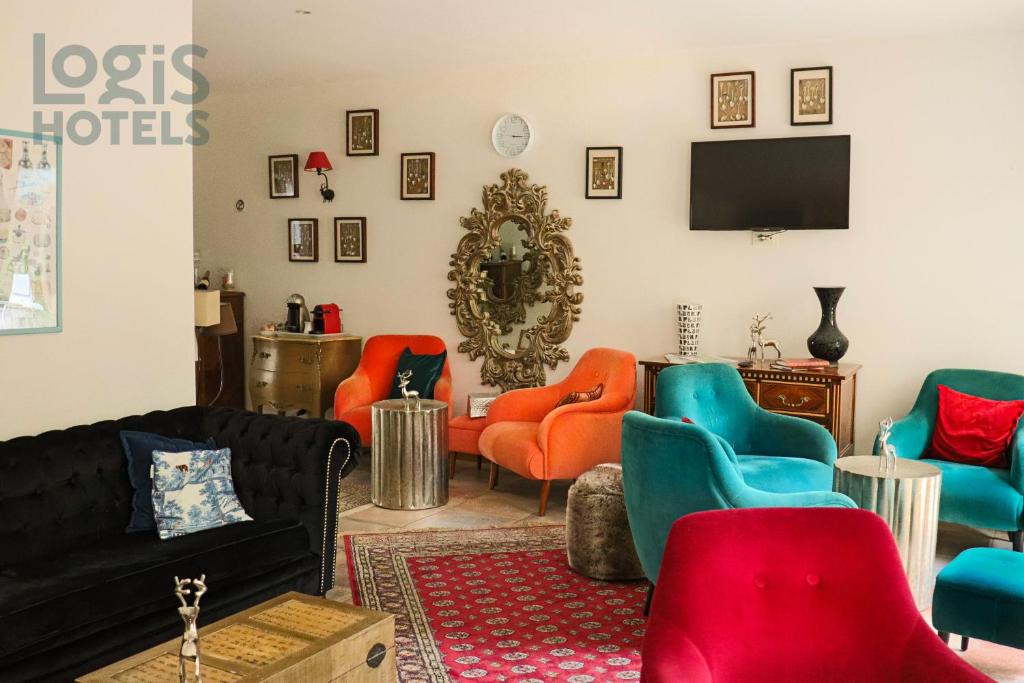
column 73, row 69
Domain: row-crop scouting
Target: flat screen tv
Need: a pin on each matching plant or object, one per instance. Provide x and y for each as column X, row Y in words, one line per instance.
column 773, row 184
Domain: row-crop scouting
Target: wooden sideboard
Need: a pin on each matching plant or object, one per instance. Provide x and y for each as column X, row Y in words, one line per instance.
column 208, row 365
column 300, row 373
column 827, row 396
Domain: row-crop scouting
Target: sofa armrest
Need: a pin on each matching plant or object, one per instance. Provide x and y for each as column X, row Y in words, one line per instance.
column 354, row 391
column 788, row 436
column 755, row 498
column 910, row 435
column 1017, row 460
column 524, row 405
column 289, row 468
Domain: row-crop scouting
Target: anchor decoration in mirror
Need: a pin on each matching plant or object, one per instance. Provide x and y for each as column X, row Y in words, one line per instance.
column 515, row 276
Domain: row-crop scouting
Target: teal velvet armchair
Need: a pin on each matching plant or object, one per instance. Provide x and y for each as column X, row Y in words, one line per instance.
column 735, row 455
column 990, row 498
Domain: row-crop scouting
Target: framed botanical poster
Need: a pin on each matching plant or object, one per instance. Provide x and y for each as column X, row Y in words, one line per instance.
column 303, row 242
column 810, row 95
column 30, row 255
column 350, row 240
column 732, row 100
column 284, row 176
column 604, row 173
column 418, row 175
column 361, row 132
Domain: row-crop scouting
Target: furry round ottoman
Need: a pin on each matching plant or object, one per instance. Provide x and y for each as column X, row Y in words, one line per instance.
column 598, row 541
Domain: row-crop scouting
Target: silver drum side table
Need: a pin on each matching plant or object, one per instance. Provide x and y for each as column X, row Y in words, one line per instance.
column 908, row 501
column 409, row 461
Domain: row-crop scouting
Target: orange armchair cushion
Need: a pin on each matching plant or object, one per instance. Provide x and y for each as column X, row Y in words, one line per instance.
column 464, row 434
column 372, row 379
column 569, row 439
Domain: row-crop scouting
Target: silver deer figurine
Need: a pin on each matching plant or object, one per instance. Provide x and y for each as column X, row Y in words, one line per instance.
column 887, row 452
column 407, row 394
column 758, row 342
column 189, row 650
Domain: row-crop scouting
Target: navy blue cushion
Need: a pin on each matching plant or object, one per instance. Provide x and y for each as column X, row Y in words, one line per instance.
column 426, row 370
column 138, row 449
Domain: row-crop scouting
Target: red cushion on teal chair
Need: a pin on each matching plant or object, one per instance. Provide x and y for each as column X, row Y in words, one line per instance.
column 789, row 595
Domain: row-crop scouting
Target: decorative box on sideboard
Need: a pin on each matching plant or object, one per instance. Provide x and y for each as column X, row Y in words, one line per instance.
column 828, row 396
column 300, row 372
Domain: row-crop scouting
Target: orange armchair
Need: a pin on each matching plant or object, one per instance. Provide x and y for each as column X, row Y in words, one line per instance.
column 527, row 434
column 373, row 378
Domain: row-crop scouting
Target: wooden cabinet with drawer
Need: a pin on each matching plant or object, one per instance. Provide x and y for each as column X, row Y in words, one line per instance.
column 300, row 372
column 827, row 396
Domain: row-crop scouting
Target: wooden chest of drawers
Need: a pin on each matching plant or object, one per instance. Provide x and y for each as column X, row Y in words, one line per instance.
column 827, row 397
column 300, row 373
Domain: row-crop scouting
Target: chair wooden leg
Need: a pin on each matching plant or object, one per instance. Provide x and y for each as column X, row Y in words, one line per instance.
column 944, row 636
column 494, row 476
column 479, row 462
column 650, row 596
column 451, row 465
column 964, row 640
column 1017, row 539
column 545, row 489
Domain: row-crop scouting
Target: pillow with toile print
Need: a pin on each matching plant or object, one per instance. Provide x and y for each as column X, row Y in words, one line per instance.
column 193, row 491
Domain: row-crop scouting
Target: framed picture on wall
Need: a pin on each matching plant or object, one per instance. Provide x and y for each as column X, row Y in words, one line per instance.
column 30, row 233
column 604, row 173
column 732, row 100
column 350, row 240
column 283, row 170
column 303, row 242
column 361, row 132
column 810, row 95
column 417, row 175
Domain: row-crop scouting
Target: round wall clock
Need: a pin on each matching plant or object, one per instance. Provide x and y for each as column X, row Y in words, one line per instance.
column 512, row 135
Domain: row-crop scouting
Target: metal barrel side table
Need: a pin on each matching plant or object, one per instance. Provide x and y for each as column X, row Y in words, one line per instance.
column 908, row 501
column 409, row 461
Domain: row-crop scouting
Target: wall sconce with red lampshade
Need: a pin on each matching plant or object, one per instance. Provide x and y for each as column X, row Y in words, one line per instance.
column 319, row 162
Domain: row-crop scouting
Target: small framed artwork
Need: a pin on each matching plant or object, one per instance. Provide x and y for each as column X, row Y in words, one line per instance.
column 732, row 100
column 604, row 173
column 361, row 132
column 303, row 242
column 284, row 176
column 350, row 240
column 418, row 175
column 810, row 94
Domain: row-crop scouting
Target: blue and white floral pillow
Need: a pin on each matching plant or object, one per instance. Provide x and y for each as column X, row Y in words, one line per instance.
column 193, row 491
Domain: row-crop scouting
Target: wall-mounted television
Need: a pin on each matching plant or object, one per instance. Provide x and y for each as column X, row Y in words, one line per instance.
column 800, row 183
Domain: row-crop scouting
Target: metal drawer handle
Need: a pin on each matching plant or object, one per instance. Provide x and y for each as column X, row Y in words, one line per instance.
column 306, row 360
column 375, row 657
column 264, row 354
column 262, row 384
column 785, row 402
column 303, row 387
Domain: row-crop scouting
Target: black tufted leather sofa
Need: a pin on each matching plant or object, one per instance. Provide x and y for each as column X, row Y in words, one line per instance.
column 77, row 592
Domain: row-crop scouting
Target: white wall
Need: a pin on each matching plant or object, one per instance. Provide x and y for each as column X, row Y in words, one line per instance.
column 127, row 343
column 931, row 261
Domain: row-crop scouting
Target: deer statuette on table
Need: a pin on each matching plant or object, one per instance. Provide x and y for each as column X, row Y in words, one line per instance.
column 407, row 394
column 758, row 342
column 189, row 649
column 886, row 451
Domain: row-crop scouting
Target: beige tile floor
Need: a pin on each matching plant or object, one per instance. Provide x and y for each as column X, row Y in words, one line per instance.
column 514, row 503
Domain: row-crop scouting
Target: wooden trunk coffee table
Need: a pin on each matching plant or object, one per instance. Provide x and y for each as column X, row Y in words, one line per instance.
column 290, row 639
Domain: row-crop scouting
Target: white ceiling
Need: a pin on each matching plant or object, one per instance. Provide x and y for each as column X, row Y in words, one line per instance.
column 264, row 42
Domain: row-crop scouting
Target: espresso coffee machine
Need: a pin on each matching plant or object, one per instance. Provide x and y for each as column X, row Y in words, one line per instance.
column 298, row 314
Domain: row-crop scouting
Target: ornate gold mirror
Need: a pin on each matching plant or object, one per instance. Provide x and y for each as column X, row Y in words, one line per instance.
column 515, row 276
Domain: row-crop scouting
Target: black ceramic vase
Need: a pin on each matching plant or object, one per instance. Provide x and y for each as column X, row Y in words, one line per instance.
column 827, row 342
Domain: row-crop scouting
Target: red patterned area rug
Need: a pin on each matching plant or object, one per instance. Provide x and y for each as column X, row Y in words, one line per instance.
column 497, row 605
